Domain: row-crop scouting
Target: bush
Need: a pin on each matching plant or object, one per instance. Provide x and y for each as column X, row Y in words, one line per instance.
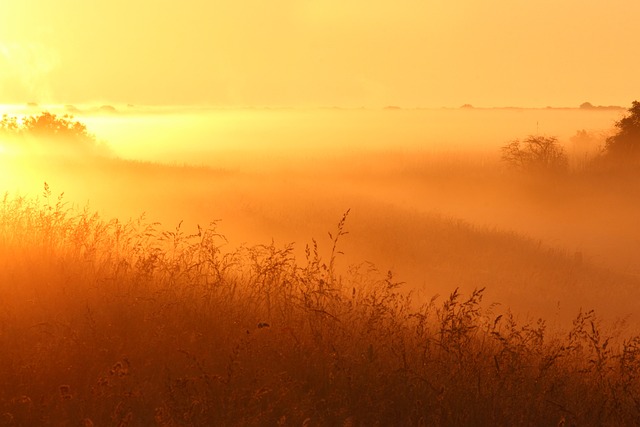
column 49, row 131
column 536, row 154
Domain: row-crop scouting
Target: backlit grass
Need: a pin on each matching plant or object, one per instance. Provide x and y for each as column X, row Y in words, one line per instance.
column 105, row 322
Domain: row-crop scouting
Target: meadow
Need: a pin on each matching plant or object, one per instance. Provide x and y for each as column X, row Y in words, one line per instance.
column 335, row 285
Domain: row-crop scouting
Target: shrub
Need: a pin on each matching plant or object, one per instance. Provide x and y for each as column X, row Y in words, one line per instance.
column 536, row 154
column 49, row 131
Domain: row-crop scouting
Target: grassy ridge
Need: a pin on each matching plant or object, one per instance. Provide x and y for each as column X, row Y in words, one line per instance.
column 112, row 323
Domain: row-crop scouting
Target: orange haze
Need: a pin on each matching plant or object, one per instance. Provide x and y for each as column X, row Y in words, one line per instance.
column 304, row 53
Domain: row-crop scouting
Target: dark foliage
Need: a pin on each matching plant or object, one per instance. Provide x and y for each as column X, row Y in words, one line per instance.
column 47, row 129
column 536, row 154
column 624, row 146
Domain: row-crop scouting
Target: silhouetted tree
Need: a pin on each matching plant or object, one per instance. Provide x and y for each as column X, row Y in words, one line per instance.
column 536, row 154
column 50, row 125
column 48, row 129
column 624, row 146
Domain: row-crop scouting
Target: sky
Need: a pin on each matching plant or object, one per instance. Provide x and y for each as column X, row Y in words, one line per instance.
column 304, row 53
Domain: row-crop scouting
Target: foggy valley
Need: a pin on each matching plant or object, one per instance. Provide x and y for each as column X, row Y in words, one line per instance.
column 319, row 214
column 428, row 196
column 289, row 175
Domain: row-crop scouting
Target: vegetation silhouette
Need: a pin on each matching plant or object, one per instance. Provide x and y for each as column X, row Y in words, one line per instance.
column 624, row 147
column 621, row 151
column 536, row 154
column 590, row 106
column 125, row 323
column 50, row 131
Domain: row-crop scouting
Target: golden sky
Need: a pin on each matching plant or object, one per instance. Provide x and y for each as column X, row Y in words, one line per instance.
column 350, row 53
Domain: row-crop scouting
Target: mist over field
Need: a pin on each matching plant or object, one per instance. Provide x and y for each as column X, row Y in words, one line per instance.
column 289, row 175
column 310, row 214
column 385, row 247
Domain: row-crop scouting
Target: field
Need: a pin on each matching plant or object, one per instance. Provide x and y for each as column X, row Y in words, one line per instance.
column 339, row 284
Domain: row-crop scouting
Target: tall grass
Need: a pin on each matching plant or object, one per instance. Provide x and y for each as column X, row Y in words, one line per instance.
column 128, row 323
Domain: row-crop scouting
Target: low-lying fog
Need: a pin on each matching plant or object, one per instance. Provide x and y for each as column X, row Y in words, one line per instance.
column 428, row 195
column 263, row 138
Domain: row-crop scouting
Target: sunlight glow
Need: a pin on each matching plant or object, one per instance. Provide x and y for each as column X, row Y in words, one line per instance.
column 169, row 172
column 302, row 53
